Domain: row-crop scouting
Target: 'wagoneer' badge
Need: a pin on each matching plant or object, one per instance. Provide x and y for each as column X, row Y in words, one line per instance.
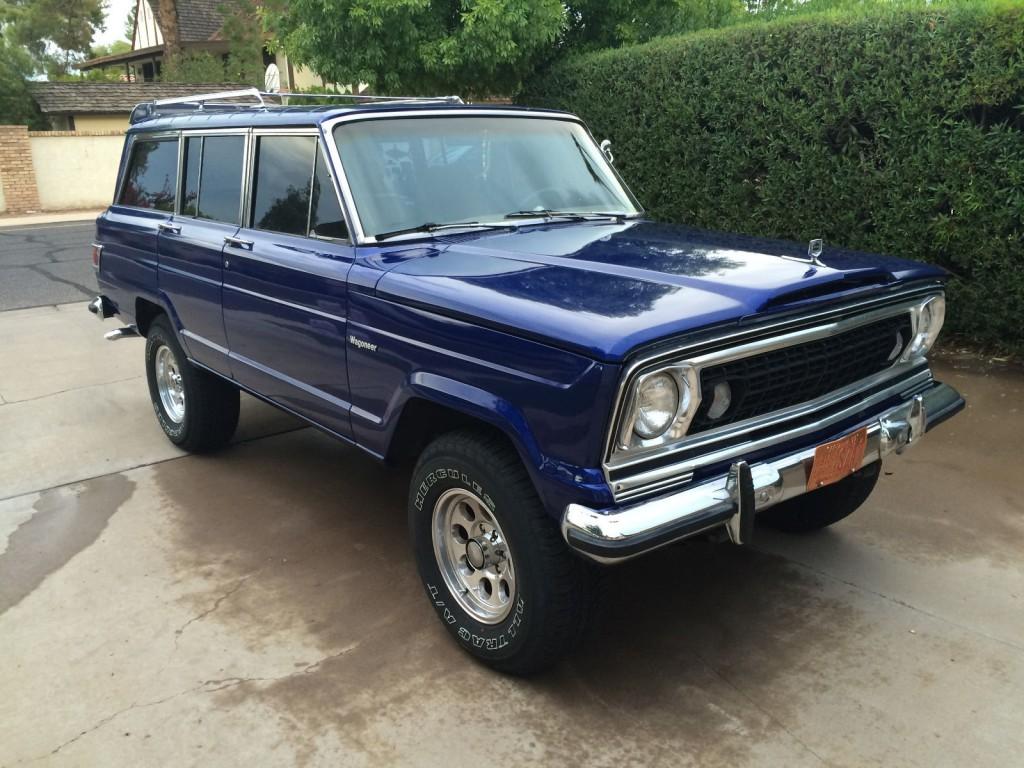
column 361, row 344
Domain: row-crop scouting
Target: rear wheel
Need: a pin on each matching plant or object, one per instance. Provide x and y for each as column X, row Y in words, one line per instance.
column 820, row 509
column 493, row 563
column 197, row 410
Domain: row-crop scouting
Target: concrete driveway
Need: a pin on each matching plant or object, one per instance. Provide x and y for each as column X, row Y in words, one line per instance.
column 260, row 606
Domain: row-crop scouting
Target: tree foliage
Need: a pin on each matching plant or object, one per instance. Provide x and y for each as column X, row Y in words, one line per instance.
column 418, row 46
column 17, row 107
column 57, row 33
column 595, row 24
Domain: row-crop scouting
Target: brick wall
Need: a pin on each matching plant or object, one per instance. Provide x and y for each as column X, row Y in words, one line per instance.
column 17, row 173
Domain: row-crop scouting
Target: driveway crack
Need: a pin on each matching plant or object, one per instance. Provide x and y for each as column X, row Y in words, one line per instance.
column 216, row 604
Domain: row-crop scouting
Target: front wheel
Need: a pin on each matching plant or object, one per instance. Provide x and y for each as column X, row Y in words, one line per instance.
column 197, row 410
column 493, row 563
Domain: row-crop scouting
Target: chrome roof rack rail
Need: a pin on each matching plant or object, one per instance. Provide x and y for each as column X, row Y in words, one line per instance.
column 200, row 101
column 366, row 97
column 227, row 100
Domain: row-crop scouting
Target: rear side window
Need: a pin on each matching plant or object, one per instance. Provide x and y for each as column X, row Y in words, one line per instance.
column 212, row 187
column 152, row 175
column 220, row 178
column 282, row 178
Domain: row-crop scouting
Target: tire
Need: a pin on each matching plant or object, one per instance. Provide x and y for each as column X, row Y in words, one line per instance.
column 207, row 414
column 820, row 509
column 550, row 596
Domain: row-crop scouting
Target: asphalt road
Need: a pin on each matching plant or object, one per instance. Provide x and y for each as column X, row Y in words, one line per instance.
column 260, row 606
column 46, row 264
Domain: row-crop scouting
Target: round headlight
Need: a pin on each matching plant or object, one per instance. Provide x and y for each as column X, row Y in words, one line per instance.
column 657, row 404
column 930, row 318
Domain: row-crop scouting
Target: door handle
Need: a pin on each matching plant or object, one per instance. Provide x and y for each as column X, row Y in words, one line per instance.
column 238, row 242
column 166, row 226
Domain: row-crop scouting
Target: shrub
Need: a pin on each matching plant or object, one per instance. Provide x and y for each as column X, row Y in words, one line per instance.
column 899, row 131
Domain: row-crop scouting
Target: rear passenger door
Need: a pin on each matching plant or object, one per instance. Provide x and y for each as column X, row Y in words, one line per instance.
column 285, row 289
column 191, row 245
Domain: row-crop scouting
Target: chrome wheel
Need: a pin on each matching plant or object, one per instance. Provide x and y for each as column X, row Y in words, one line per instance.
column 169, row 384
column 473, row 556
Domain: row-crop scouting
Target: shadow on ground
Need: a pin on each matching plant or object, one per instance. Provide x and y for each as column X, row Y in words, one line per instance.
column 305, row 534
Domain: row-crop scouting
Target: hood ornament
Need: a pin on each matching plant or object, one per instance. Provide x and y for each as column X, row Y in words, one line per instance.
column 814, row 249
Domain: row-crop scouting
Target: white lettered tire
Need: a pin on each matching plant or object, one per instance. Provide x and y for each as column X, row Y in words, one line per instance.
column 494, row 566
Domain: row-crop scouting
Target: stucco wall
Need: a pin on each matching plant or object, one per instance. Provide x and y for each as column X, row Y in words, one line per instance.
column 75, row 170
column 101, row 122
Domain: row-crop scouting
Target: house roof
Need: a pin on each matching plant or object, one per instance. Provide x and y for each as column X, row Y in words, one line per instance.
column 65, row 98
column 198, row 20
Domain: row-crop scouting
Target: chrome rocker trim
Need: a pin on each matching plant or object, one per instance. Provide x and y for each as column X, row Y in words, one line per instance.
column 731, row 500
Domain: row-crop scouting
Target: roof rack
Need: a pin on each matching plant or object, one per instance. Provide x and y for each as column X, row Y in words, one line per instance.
column 228, row 100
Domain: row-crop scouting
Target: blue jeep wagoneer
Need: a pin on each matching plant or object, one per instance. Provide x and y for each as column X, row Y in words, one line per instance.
column 474, row 288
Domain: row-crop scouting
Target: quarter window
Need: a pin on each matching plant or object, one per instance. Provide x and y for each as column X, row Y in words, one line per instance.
column 325, row 218
column 282, row 179
column 152, row 175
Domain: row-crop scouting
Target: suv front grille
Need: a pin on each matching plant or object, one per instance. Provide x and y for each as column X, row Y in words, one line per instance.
column 792, row 375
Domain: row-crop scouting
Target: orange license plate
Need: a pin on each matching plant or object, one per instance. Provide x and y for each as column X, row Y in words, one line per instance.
column 838, row 459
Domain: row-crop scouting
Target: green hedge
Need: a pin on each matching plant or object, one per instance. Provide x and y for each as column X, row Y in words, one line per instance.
column 900, row 132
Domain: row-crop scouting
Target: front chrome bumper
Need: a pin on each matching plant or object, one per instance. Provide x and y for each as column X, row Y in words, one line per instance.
column 732, row 500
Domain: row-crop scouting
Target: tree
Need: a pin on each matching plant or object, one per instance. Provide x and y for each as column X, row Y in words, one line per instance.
column 17, row 107
column 57, row 33
column 168, row 11
column 418, row 46
column 594, row 24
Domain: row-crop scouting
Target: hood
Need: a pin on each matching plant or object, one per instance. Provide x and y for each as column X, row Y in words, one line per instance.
column 606, row 288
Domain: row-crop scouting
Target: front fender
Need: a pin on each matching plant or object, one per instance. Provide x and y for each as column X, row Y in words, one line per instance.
column 556, row 481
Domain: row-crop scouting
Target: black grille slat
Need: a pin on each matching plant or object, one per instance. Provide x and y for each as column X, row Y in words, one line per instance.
column 792, row 375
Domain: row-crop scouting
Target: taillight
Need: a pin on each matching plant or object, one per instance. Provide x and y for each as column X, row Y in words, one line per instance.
column 96, row 251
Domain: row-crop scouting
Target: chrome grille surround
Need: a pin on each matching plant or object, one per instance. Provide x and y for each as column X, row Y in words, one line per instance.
column 670, row 466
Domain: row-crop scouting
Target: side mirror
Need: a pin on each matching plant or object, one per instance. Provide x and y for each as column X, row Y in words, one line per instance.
column 606, row 149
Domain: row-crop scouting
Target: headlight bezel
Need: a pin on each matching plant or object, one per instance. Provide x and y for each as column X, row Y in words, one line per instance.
column 687, row 381
column 927, row 319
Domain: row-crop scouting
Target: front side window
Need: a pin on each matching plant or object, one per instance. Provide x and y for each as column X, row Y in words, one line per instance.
column 152, row 174
column 407, row 172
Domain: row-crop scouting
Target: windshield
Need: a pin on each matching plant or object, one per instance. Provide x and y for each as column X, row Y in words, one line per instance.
column 405, row 173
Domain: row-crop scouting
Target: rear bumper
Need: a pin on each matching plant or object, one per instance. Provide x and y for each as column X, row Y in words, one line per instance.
column 731, row 500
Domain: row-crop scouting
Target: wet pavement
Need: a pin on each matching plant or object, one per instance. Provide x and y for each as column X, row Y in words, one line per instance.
column 260, row 606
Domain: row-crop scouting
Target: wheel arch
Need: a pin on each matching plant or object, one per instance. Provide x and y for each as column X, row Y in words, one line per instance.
column 433, row 405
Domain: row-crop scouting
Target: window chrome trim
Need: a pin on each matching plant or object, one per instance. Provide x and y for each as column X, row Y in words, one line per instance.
column 614, row 459
column 203, row 133
column 348, row 200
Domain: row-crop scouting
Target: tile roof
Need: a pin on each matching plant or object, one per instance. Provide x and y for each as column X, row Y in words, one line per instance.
column 63, row 98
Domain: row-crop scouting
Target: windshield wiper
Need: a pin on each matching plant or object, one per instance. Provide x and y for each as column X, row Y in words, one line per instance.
column 548, row 213
column 432, row 227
